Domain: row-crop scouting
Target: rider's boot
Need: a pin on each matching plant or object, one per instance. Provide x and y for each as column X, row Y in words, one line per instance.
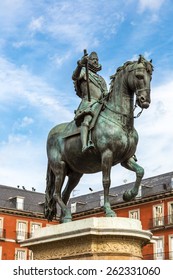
column 84, row 138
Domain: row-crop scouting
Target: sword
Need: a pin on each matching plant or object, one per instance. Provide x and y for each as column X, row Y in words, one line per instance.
column 87, row 76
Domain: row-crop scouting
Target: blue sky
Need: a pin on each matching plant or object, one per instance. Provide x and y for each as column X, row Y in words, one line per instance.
column 39, row 45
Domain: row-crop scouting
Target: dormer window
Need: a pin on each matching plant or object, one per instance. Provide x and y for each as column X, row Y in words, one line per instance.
column 20, row 203
column 17, row 202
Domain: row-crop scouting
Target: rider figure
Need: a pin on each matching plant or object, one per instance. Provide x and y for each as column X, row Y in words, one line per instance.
column 91, row 88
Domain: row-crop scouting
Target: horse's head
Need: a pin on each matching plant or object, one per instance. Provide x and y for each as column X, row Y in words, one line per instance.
column 140, row 78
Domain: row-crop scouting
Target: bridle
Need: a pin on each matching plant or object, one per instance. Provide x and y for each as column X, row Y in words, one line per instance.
column 137, row 92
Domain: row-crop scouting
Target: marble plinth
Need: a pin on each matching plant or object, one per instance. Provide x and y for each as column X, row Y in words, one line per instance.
column 94, row 238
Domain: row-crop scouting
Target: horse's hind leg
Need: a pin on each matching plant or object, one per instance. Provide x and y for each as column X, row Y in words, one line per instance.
column 73, row 180
column 132, row 165
column 60, row 173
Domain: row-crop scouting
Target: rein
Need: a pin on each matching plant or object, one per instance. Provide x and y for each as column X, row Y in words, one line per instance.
column 101, row 101
column 138, row 115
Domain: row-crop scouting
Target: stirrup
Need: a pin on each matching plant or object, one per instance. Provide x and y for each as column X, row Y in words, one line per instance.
column 87, row 148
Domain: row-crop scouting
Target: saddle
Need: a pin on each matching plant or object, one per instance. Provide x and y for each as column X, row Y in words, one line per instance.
column 73, row 129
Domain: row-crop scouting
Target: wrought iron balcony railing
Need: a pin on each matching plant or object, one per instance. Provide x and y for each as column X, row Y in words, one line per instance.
column 163, row 221
column 21, row 235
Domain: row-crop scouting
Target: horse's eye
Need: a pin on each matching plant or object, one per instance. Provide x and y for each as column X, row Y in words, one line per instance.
column 140, row 76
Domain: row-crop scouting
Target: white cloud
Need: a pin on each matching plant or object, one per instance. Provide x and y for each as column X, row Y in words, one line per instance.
column 23, row 123
column 69, row 22
column 26, row 121
column 59, row 60
column 152, row 5
column 18, row 84
column 81, row 28
column 36, row 24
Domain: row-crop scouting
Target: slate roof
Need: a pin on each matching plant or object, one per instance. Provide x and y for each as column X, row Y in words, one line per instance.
column 153, row 186
column 33, row 200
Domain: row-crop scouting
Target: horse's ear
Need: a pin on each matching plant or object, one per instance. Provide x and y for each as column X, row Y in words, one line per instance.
column 140, row 59
column 151, row 60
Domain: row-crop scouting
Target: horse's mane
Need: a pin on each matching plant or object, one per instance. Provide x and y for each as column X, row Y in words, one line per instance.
column 118, row 71
column 147, row 64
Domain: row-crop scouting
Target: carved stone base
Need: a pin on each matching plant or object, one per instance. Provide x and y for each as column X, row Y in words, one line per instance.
column 90, row 239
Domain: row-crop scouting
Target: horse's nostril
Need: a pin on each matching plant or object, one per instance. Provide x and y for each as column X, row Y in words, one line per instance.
column 142, row 99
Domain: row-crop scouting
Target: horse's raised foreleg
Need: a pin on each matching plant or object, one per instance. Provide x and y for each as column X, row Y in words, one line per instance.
column 60, row 174
column 132, row 165
column 106, row 170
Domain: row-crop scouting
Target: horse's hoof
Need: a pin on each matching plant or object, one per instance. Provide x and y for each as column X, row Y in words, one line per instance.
column 110, row 213
column 66, row 220
column 127, row 196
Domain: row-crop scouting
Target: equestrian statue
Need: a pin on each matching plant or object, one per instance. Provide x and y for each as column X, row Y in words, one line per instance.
column 102, row 133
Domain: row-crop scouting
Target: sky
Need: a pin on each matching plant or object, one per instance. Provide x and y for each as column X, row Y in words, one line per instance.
column 40, row 44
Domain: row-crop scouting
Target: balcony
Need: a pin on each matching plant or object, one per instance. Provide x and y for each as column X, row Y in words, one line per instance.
column 161, row 222
column 2, row 234
column 21, row 235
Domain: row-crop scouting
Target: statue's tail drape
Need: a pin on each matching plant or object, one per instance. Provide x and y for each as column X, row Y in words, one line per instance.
column 50, row 203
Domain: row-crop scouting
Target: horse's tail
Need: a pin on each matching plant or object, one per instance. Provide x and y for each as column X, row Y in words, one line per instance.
column 50, row 203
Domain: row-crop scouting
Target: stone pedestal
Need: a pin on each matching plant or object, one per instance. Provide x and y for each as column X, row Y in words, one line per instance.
column 90, row 239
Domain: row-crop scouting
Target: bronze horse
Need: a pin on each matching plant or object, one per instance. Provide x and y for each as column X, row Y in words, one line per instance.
column 114, row 137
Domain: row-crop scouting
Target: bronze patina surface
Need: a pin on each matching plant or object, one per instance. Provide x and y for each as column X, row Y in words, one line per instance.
column 101, row 135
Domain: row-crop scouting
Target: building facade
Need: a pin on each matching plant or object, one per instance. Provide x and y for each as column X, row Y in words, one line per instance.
column 21, row 213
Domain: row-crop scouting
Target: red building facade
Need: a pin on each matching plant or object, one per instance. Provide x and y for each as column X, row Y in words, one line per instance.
column 21, row 213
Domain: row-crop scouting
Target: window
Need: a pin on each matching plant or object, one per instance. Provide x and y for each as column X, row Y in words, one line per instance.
column 159, row 249
column 20, row 203
column 170, row 212
column 158, row 215
column 20, row 254
column 1, row 227
column 134, row 214
column 73, row 207
column 21, row 230
column 171, row 247
column 34, row 226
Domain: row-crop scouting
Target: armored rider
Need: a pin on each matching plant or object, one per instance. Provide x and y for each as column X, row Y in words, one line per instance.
column 91, row 88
